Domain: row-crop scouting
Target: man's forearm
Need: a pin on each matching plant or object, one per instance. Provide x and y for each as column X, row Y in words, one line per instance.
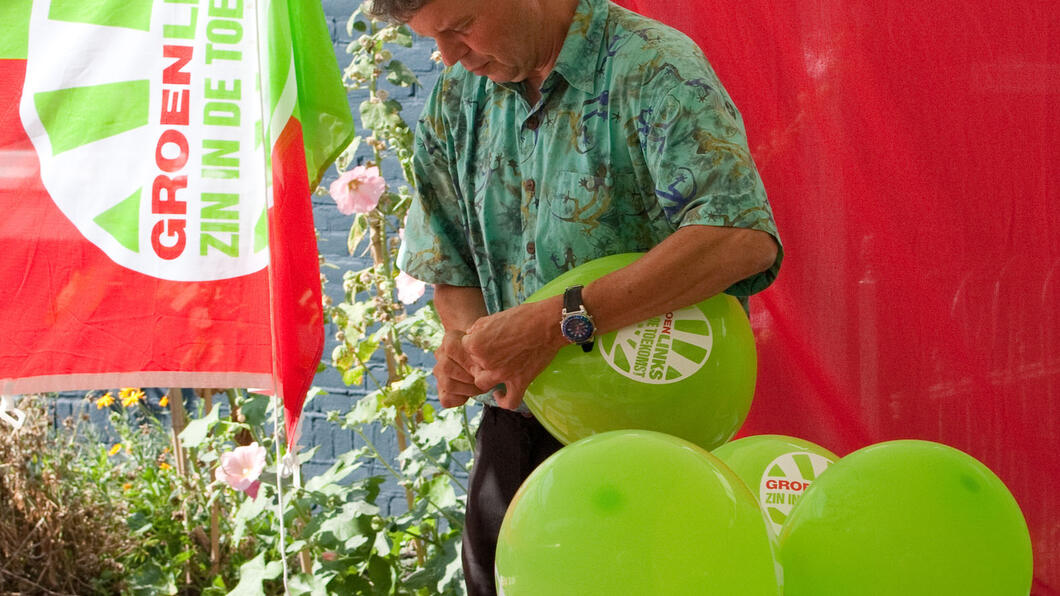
column 458, row 306
column 693, row 264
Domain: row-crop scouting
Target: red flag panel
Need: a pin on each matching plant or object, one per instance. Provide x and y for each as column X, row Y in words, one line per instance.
column 72, row 318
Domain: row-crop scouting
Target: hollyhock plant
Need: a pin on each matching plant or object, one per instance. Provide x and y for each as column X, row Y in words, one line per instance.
column 358, row 190
column 409, row 289
column 241, row 467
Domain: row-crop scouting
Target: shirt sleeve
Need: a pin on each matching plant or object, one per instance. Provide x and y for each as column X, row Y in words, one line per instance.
column 435, row 248
column 696, row 149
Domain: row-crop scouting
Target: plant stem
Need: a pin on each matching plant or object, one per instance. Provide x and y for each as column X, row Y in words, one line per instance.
column 379, row 456
column 445, row 470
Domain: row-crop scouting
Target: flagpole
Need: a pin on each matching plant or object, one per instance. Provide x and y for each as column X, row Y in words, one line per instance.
column 277, row 386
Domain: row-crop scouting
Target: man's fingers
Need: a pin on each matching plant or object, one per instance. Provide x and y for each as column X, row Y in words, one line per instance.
column 451, row 400
column 509, row 395
column 459, row 388
column 455, row 371
column 468, row 347
column 486, row 380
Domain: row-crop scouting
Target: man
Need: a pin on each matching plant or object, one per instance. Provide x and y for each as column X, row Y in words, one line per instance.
column 564, row 131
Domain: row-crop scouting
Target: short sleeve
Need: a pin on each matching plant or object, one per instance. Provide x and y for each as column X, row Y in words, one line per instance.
column 435, row 247
column 696, row 149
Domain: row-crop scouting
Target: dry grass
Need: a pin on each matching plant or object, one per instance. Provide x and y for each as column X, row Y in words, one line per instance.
column 59, row 531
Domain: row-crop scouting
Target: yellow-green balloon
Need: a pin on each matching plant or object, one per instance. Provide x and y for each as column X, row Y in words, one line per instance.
column 635, row 513
column 689, row 373
column 777, row 469
column 908, row 518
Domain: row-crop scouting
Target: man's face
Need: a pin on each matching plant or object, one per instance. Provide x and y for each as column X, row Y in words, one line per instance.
column 498, row 39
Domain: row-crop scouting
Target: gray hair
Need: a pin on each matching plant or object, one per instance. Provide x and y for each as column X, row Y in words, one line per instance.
column 395, row 11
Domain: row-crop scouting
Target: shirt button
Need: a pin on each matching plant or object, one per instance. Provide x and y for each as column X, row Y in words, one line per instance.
column 531, row 248
column 529, row 186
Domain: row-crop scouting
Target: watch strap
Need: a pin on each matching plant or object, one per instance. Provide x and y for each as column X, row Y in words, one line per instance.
column 572, row 303
column 572, row 299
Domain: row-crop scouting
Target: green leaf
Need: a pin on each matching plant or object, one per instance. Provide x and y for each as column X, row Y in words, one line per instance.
column 328, row 481
column 139, row 523
column 358, row 316
column 443, row 573
column 255, row 408
column 404, row 36
column 446, row 427
column 342, row 357
column 249, row 509
column 251, row 574
column 439, row 491
column 400, row 74
column 304, row 583
column 353, row 376
column 358, row 229
column 351, row 24
column 373, row 114
column 366, row 349
column 195, row 433
column 150, row 579
column 410, row 392
column 422, row 328
column 346, row 524
column 381, row 575
column 380, row 115
column 365, row 409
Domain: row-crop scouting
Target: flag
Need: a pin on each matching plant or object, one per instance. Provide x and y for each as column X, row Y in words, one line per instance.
column 156, row 163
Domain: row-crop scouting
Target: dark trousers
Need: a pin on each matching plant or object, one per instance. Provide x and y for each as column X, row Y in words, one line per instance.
column 508, row 447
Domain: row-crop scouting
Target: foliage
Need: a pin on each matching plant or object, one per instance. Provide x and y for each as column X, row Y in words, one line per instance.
column 60, row 515
column 371, row 321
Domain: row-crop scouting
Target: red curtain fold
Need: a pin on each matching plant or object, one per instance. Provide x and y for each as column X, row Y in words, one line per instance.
column 910, row 154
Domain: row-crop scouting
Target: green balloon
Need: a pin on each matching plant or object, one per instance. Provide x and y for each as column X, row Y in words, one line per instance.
column 689, row 373
column 636, row 513
column 912, row 518
column 777, row 469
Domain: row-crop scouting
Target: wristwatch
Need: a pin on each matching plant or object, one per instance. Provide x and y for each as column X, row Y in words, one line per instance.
column 576, row 323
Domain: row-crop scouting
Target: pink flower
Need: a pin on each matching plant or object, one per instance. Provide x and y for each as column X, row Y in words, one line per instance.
column 358, row 190
column 241, row 467
column 409, row 288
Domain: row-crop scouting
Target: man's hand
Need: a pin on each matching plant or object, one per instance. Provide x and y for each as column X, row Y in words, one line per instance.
column 458, row 307
column 512, row 347
column 452, row 372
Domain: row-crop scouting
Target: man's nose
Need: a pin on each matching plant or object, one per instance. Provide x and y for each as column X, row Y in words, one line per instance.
column 451, row 50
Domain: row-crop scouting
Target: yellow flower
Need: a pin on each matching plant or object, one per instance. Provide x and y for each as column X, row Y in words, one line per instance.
column 127, row 486
column 105, row 400
column 130, row 396
column 164, row 401
column 163, row 465
column 116, row 448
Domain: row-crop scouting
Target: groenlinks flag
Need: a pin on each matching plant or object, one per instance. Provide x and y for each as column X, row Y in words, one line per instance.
column 156, row 163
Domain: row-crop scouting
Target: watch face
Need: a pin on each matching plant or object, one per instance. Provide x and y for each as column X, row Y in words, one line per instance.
column 578, row 328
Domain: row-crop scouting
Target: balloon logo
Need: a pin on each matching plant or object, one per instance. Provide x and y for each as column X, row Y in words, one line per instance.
column 689, row 373
column 779, row 467
column 787, row 477
column 662, row 349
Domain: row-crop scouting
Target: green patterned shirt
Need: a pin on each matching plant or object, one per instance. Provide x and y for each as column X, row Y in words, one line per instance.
column 633, row 137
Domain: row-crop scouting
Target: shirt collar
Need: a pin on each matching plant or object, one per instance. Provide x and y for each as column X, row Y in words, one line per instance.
column 581, row 49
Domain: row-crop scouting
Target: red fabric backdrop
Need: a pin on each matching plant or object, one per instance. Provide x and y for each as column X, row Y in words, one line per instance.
column 910, row 154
